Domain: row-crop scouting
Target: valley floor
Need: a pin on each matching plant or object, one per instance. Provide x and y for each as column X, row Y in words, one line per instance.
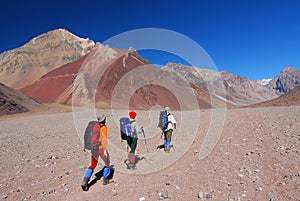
column 251, row 154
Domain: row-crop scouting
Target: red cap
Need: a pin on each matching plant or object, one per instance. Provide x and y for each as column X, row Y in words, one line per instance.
column 132, row 115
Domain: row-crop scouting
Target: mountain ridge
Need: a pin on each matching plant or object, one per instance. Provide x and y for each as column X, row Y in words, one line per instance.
column 235, row 89
column 89, row 71
column 22, row 66
column 288, row 79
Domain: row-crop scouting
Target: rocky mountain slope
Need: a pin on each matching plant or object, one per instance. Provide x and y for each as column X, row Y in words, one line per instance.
column 24, row 65
column 264, row 82
column 291, row 98
column 287, row 80
column 59, row 67
column 234, row 89
column 13, row 101
column 117, row 78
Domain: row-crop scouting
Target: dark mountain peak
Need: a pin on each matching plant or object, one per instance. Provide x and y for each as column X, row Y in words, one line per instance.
column 288, row 79
column 289, row 69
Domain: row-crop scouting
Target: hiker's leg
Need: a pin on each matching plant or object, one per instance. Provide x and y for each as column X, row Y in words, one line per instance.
column 133, row 145
column 106, row 172
column 89, row 172
column 129, row 142
column 168, row 136
column 105, row 158
column 165, row 138
column 94, row 159
column 86, row 179
column 106, row 169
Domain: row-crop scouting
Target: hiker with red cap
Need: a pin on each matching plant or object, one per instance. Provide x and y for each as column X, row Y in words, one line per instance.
column 132, row 141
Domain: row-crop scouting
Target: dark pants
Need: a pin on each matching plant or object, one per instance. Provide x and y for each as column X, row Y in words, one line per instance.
column 132, row 142
column 168, row 137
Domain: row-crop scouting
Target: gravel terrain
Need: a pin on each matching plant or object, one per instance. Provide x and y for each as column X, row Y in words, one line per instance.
column 251, row 154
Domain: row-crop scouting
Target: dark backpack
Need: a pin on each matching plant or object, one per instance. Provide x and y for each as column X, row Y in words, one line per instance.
column 163, row 120
column 125, row 128
column 91, row 139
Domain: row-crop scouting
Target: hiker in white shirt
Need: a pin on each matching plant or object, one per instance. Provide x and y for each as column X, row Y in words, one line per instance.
column 170, row 125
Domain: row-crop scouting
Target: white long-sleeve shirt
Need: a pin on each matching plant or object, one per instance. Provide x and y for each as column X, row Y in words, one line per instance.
column 134, row 128
column 171, row 121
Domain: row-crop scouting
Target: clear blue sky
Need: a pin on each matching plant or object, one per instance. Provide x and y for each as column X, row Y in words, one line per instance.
column 251, row 38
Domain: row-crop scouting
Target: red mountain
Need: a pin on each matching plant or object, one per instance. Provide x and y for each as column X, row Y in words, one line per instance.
column 80, row 78
column 54, row 85
column 63, row 68
column 114, row 78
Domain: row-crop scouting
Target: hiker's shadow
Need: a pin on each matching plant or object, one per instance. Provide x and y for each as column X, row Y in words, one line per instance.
column 162, row 146
column 99, row 175
column 132, row 164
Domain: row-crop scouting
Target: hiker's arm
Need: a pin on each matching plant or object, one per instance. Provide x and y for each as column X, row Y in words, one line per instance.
column 136, row 128
column 104, row 137
column 172, row 119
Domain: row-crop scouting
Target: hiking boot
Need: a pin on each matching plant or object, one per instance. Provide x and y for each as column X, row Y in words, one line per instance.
column 105, row 181
column 84, row 184
column 167, row 150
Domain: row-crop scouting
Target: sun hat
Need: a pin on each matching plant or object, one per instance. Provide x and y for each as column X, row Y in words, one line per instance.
column 101, row 117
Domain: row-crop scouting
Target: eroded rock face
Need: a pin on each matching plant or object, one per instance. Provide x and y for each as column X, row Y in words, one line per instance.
column 94, row 77
column 13, row 101
column 118, row 78
column 288, row 79
column 233, row 89
column 22, row 66
column 291, row 98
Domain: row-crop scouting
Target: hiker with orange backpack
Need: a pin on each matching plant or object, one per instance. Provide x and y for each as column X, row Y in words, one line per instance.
column 99, row 130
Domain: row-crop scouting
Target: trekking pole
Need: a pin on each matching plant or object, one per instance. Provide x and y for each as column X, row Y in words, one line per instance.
column 142, row 129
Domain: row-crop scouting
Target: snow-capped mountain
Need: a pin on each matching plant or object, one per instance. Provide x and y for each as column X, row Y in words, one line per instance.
column 264, row 81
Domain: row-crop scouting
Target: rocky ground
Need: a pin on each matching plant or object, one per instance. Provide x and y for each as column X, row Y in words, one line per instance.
column 256, row 157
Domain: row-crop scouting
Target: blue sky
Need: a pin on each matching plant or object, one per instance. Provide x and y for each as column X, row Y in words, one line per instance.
column 255, row 39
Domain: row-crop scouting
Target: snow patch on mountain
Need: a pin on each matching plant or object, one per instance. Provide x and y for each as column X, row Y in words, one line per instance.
column 264, row 81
